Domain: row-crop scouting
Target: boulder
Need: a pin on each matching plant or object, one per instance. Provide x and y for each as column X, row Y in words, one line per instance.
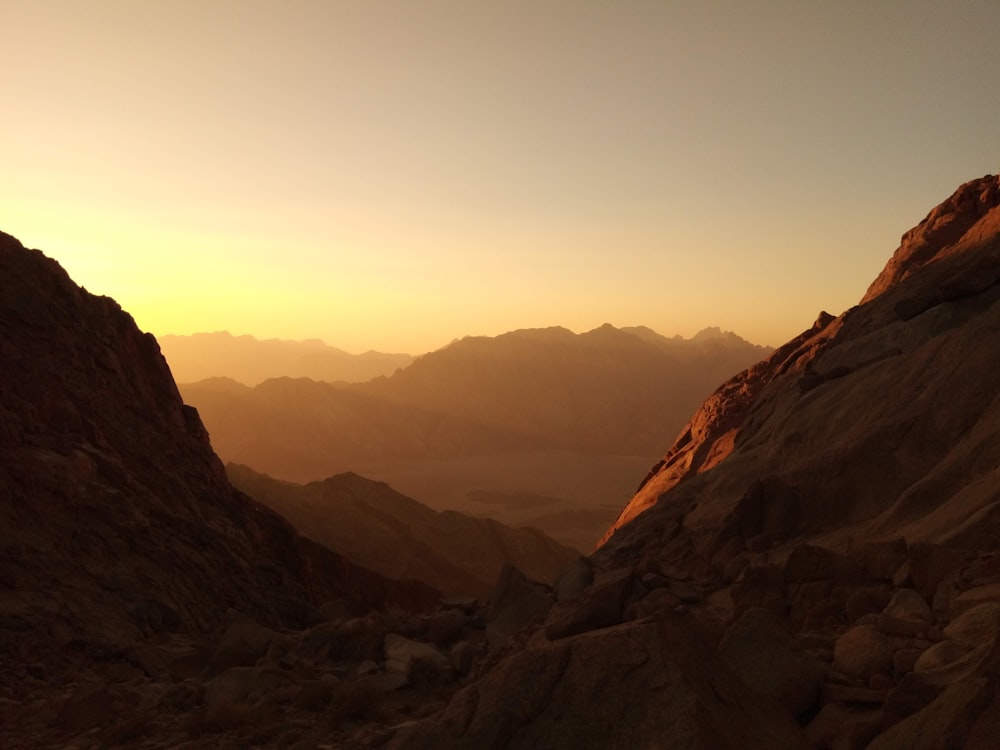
column 882, row 559
column 574, row 578
column 970, row 598
column 515, row 603
column 446, row 626
column 633, row 685
column 599, row 606
column 864, row 601
column 977, row 625
column 940, row 655
column 906, row 614
column 837, row 726
column 862, row 651
column 243, row 685
column 760, row 586
column 242, row 644
column 766, row 656
column 945, row 723
column 913, row 693
column 811, row 563
column 404, row 656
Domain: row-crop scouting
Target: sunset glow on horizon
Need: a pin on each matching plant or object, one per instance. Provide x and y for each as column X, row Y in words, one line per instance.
column 395, row 175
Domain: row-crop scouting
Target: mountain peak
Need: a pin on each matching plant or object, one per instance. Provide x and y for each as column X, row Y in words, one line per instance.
column 944, row 231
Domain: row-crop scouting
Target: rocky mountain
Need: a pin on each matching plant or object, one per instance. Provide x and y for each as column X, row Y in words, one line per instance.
column 249, row 360
column 486, row 424
column 301, row 429
column 387, row 532
column 813, row 564
column 604, row 391
column 138, row 588
column 828, row 520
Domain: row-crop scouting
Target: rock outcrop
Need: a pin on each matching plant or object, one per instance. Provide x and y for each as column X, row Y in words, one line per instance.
column 877, row 417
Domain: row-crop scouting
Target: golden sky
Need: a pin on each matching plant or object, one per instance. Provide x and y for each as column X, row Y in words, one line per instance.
column 393, row 175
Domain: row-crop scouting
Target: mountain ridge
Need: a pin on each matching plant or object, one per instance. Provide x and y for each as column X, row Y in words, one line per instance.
column 385, row 531
column 117, row 521
column 250, row 360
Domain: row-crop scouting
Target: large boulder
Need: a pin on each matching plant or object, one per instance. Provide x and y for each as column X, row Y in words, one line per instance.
column 906, row 614
column 515, row 603
column 415, row 659
column 767, row 657
column 599, row 606
column 862, row 651
column 624, row 687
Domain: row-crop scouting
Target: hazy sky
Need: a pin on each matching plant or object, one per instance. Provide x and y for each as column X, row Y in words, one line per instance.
column 393, row 175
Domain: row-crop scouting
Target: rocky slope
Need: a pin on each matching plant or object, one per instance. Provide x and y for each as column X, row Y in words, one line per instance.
column 396, row 536
column 249, row 360
column 878, row 421
column 143, row 600
column 828, row 521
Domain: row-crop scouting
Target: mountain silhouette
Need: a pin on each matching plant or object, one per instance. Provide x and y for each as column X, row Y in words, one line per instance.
column 398, row 537
column 532, row 413
column 249, row 360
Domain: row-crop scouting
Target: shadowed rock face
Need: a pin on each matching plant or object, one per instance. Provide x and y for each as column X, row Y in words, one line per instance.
column 387, row 532
column 117, row 523
column 637, row 685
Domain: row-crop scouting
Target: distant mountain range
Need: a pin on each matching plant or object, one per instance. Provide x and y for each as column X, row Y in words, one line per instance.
column 608, row 391
column 487, row 423
column 249, row 360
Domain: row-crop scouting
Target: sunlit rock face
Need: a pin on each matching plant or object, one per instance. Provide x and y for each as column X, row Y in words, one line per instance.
column 946, row 230
column 882, row 419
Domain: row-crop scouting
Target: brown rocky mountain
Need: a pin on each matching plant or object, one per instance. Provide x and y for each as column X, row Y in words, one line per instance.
column 829, row 520
column 537, row 427
column 375, row 526
column 608, row 391
column 134, row 579
column 301, row 429
column 814, row 563
column 249, row 360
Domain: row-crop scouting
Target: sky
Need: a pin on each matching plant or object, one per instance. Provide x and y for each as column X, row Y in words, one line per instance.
column 393, row 175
